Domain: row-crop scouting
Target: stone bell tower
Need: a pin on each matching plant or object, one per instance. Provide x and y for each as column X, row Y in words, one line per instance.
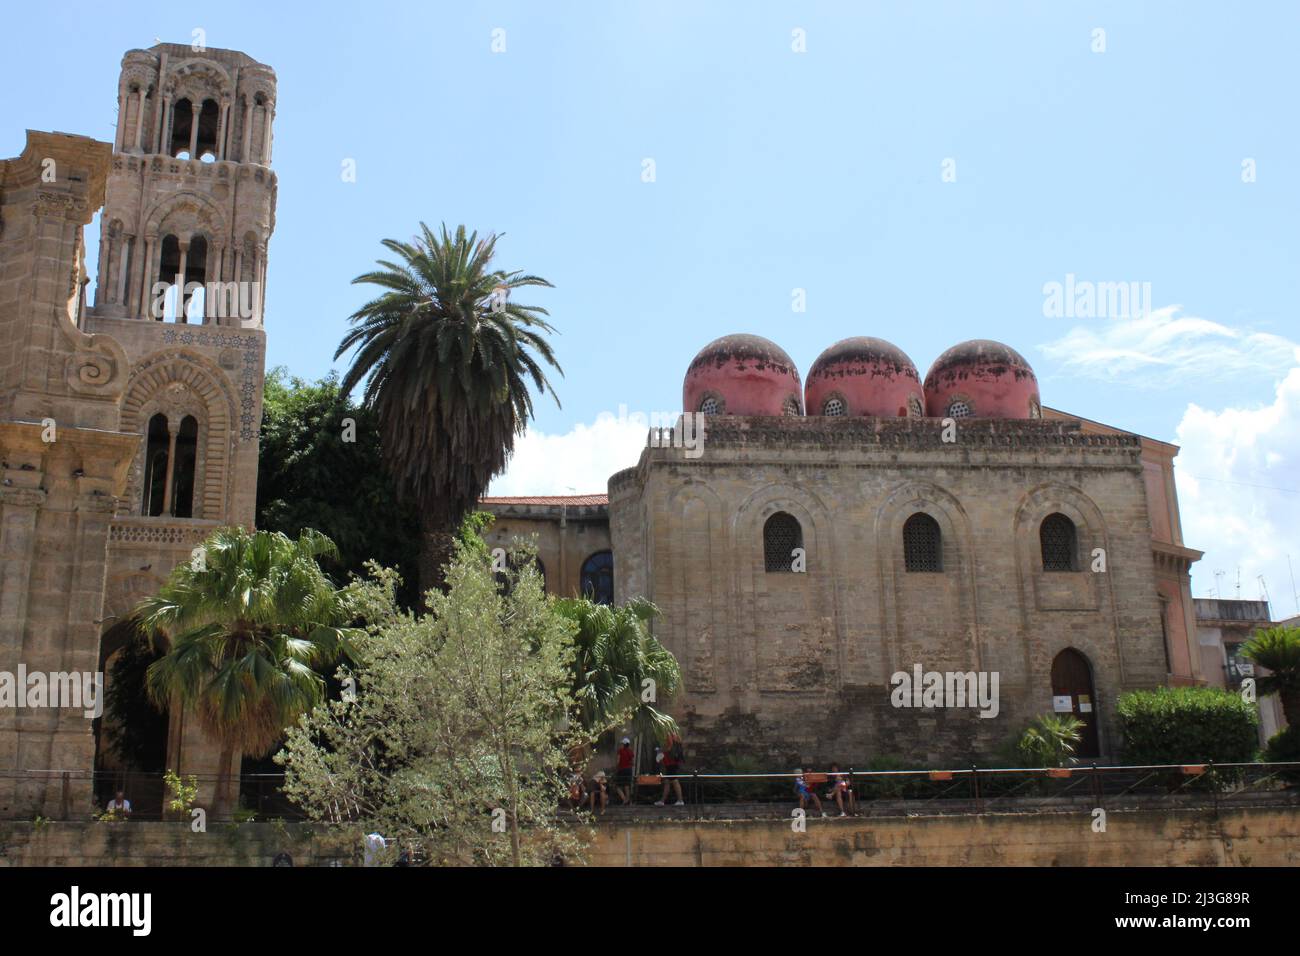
column 128, row 430
column 189, row 210
column 191, row 196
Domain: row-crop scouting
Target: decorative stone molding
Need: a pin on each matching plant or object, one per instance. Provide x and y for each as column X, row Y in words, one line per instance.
column 249, row 375
column 153, row 531
column 777, row 431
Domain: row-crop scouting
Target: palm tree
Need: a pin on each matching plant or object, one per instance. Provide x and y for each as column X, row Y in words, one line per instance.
column 246, row 623
column 447, row 362
column 1277, row 649
column 614, row 656
column 1049, row 740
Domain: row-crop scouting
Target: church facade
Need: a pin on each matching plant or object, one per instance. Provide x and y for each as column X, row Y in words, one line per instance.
column 128, row 427
column 830, row 549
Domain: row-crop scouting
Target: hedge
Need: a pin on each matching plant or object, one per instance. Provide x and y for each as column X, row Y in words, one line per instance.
column 1177, row 725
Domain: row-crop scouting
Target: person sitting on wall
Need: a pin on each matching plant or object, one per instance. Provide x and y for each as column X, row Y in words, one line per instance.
column 599, row 792
column 841, row 792
column 119, row 805
column 623, row 775
column 805, row 792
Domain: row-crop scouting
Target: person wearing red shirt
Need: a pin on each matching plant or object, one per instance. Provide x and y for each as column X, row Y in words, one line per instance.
column 623, row 775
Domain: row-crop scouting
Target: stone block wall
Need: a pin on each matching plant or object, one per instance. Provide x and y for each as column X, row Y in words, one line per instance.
column 796, row 667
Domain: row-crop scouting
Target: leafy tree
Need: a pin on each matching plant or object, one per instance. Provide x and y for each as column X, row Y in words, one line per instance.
column 458, row 723
column 320, row 466
column 447, row 360
column 1277, row 649
column 245, row 623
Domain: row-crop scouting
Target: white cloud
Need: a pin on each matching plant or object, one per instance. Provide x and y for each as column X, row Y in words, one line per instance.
column 577, row 462
column 1239, row 494
column 1165, row 348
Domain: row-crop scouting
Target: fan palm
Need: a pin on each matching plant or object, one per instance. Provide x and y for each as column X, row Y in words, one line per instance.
column 614, row 656
column 1277, row 649
column 1049, row 740
column 246, row 625
column 447, row 359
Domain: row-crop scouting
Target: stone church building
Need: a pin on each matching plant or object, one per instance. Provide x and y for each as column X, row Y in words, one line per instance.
column 128, row 427
column 948, row 525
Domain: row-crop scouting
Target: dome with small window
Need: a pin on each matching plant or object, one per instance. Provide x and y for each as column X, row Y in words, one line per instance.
column 864, row 376
column 742, row 375
column 981, row 379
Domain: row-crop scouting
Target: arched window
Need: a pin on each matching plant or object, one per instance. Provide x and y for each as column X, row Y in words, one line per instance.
column 833, row 408
column 959, row 409
column 781, row 535
column 1059, row 541
column 790, row 407
column 922, row 544
column 710, row 406
column 196, row 273
column 209, row 120
column 155, row 467
column 187, row 443
column 182, row 123
column 597, row 580
column 169, row 264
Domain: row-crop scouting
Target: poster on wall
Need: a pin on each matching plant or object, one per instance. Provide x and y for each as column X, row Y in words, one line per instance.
column 1061, row 704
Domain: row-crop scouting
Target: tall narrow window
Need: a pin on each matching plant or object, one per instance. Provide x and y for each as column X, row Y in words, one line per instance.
column 922, row 544
column 187, row 441
column 155, row 467
column 597, row 581
column 209, row 117
column 1059, row 541
column 182, row 123
column 781, row 535
column 169, row 265
column 196, row 272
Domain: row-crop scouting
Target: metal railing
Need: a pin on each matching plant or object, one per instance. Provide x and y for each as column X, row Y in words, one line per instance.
column 76, row 794
column 988, row 789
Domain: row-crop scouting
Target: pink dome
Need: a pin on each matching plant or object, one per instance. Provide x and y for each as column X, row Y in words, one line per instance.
column 742, row 375
column 981, row 379
column 864, row 376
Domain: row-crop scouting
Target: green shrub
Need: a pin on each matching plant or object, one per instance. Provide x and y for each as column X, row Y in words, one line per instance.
column 1284, row 747
column 746, row 790
column 1049, row 741
column 1182, row 725
column 892, row 788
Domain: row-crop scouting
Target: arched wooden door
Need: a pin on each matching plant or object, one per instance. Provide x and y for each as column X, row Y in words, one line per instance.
column 1072, row 677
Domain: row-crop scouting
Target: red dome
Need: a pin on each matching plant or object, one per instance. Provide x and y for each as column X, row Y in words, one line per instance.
column 981, row 379
column 864, row 376
column 742, row 375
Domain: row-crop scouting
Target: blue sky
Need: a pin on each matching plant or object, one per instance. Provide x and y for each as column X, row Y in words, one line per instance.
column 777, row 170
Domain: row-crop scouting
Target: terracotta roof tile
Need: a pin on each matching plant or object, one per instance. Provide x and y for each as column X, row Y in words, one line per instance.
column 546, row 500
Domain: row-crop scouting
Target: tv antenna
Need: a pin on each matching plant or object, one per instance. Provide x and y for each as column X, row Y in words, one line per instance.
column 1295, row 595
